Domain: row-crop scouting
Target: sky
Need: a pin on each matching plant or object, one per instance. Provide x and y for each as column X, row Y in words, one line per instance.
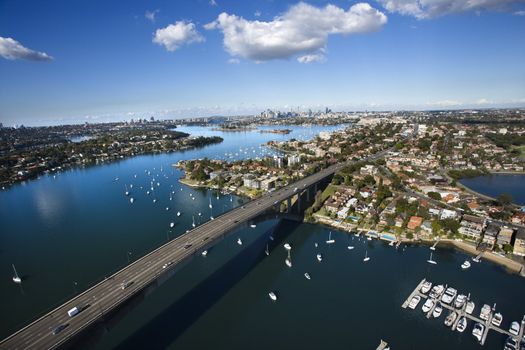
column 64, row 61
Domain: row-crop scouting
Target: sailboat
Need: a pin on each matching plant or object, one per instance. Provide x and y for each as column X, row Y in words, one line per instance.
column 266, row 250
column 307, row 275
column 178, row 213
column 127, row 192
column 172, row 224
column 330, row 240
column 210, row 205
column 366, row 256
column 430, row 261
column 193, row 223
column 350, row 247
column 288, row 260
column 16, row 278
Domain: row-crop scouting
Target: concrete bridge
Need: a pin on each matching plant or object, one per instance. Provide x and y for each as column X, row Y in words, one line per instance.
column 106, row 296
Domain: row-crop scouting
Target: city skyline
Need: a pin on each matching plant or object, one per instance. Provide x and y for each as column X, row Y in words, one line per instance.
column 64, row 63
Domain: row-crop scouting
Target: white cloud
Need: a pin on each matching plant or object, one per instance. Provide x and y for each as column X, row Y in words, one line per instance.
column 483, row 101
column 234, row 61
column 302, row 30
column 12, row 50
column 150, row 15
column 520, row 13
column 213, row 3
column 445, row 103
column 176, row 35
column 257, row 13
column 316, row 57
column 424, row 9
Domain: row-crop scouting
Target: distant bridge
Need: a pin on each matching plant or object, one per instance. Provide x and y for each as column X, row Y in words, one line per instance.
column 107, row 295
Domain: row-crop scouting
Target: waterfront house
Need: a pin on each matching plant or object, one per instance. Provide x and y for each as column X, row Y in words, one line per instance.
column 472, row 226
column 491, row 233
column 414, row 222
column 505, row 236
column 519, row 243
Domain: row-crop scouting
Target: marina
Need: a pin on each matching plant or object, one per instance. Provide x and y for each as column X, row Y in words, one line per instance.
column 439, row 300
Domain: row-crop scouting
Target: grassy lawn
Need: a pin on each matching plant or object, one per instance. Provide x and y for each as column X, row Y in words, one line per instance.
column 328, row 191
column 521, row 149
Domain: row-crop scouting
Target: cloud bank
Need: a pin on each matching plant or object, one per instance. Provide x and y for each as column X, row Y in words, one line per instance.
column 425, row 9
column 175, row 35
column 12, row 50
column 303, row 30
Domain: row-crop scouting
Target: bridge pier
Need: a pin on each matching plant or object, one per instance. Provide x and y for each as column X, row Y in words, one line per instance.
column 289, row 205
column 308, row 194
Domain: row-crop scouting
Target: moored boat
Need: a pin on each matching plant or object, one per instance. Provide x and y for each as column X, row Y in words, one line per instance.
column 478, row 330
column 449, row 321
column 462, row 324
column 466, row 265
column 497, row 319
column 414, row 302
column 426, row 287
column 437, row 311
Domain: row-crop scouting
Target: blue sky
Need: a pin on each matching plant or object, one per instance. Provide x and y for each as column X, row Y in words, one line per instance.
column 75, row 61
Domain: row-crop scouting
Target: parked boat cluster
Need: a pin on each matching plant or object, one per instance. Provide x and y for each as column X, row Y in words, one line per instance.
column 461, row 312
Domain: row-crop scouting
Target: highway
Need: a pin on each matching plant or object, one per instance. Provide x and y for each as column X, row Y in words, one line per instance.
column 109, row 293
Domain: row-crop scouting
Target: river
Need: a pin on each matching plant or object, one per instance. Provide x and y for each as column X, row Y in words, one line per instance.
column 65, row 233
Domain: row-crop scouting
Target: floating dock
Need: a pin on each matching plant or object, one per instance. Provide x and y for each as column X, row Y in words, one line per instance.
column 462, row 313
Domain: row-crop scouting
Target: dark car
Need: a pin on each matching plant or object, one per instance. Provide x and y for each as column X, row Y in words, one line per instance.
column 186, row 246
column 59, row 328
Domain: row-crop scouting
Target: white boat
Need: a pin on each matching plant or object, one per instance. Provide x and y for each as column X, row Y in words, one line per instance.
column 368, row 238
column 16, row 278
column 514, row 328
column 307, row 275
column 154, row 200
column 178, row 213
column 239, row 241
column 330, row 240
column 266, row 250
column 131, row 200
column 288, row 260
column 172, row 224
column 460, row 301
column 449, row 321
column 316, row 245
column 497, row 319
column 485, row 312
column 126, row 192
column 193, row 222
column 210, row 205
column 253, row 226
column 478, row 331
column 287, row 246
column 427, row 306
column 204, row 253
column 426, row 287
column 319, row 257
column 414, row 302
column 272, row 296
column 430, row 261
column 350, row 247
column 437, row 291
column 462, row 324
column 449, row 295
column 476, row 259
column 437, row 311
column 470, row 307
column 466, row 264
column 366, row 256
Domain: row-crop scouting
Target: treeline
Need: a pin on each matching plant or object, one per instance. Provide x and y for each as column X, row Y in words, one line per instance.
column 465, row 173
column 507, row 140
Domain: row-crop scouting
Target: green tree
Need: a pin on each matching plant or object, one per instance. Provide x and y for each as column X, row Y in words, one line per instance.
column 434, row 195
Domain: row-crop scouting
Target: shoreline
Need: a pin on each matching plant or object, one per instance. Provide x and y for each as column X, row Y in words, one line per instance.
column 510, row 265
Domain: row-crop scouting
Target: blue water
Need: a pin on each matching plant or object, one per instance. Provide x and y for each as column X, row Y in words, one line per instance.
column 64, row 233
column 496, row 184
